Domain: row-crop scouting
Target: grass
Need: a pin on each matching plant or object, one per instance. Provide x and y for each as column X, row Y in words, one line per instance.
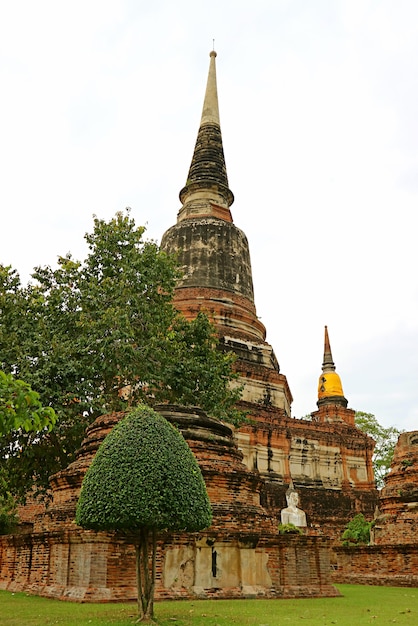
column 357, row 607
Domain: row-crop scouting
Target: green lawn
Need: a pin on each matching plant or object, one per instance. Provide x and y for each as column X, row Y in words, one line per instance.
column 359, row 605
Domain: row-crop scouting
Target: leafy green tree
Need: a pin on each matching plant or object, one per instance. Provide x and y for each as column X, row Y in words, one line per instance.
column 38, row 344
column 143, row 479
column 102, row 335
column 385, row 438
column 8, row 508
column 20, row 410
column 357, row 531
column 20, row 407
column 203, row 378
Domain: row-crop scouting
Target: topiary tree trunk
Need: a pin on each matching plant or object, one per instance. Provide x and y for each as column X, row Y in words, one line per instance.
column 146, row 553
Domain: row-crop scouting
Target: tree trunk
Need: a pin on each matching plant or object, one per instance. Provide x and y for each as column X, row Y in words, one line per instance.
column 145, row 573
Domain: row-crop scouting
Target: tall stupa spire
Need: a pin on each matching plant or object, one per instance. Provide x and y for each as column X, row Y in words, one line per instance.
column 212, row 253
column 213, row 256
column 206, row 192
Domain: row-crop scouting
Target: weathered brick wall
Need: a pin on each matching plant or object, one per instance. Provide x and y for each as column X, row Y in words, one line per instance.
column 388, row 565
column 301, row 564
column 70, row 565
column 86, row 566
column 28, row 512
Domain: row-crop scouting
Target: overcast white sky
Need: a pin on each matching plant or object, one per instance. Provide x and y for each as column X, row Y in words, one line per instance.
column 100, row 106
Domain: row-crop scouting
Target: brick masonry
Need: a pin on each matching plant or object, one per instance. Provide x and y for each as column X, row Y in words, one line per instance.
column 387, row 565
column 393, row 559
column 240, row 555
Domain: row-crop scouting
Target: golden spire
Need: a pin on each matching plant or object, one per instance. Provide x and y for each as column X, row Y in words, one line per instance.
column 330, row 389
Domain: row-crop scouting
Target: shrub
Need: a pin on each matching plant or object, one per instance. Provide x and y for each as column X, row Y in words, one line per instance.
column 357, row 531
column 290, row 529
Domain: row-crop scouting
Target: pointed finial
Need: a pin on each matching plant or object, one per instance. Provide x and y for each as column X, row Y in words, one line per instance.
column 210, row 112
column 328, row 364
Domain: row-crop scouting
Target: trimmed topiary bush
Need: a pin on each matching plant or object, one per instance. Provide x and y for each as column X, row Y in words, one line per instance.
column 144, row 478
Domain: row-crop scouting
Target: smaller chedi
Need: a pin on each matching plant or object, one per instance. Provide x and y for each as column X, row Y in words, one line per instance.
column 397, row 522
column 292, row 514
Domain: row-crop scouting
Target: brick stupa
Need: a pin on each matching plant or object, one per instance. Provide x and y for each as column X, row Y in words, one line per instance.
column 328, row 459
column 397, row 522
column 247, row 471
